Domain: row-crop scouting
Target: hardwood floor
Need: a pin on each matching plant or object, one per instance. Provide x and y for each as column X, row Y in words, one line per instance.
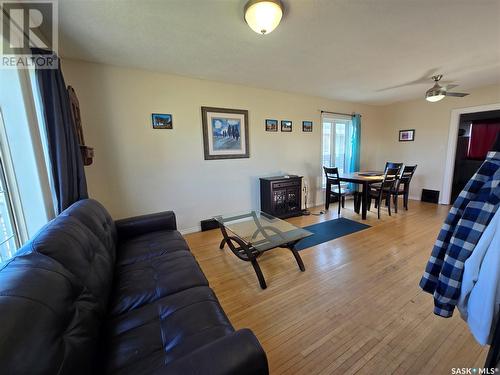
column 357, row 309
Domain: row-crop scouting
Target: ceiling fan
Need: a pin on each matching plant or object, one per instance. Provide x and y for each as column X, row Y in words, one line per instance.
column 438, row 92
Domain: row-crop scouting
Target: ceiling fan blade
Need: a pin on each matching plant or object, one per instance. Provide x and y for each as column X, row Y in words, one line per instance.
column 411, row 83
column 449, row 87
column 424, row 79
column 457, row 94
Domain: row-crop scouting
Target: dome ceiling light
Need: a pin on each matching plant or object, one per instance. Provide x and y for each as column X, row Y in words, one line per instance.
column 263, row 16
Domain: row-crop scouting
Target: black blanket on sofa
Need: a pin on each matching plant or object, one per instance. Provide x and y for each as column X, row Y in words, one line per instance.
column 89, row 295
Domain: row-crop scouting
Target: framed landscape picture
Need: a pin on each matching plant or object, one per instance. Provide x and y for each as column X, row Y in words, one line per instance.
column 271, row 125
column 407, row 135
column 225, row 133
column 307, row 126
column 286, row 126
column 161, row 121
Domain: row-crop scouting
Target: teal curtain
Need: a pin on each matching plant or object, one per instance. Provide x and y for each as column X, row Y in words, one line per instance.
column 355, row 146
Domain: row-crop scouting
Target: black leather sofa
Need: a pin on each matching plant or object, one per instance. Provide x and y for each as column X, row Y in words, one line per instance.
column 88, row 295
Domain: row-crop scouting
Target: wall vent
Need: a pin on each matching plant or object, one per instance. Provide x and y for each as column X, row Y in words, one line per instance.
column 431, row 196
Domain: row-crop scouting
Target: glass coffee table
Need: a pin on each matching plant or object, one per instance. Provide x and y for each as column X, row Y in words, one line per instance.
column 252, row 233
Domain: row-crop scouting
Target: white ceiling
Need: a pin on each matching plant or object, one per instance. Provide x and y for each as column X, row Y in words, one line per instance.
column 341, row 49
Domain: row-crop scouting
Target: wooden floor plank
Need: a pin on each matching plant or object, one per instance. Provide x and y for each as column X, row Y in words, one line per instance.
column 357, row 309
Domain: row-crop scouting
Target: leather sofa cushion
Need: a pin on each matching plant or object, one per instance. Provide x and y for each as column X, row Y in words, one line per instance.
column 150, row 245
column 79, row 250
column 138, row 225
column 94, row 216
column 150, row 279
column 152, row 336
column 50, row 323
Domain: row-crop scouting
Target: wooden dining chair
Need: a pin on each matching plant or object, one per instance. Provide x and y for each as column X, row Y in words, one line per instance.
column 333, row 188
column 402, row 186
column 390, row 164
column 383, row 191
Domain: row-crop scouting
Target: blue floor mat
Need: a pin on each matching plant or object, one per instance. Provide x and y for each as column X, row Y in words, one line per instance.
column 329, row 230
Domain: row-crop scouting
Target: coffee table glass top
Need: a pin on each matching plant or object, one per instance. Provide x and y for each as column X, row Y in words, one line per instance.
column 260, row 230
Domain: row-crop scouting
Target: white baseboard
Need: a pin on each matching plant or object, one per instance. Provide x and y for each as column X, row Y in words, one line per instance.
column 320, row 203
column 190, row 230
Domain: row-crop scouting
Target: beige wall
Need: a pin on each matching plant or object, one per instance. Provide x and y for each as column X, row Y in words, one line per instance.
column 431, row 122
column 139, row 170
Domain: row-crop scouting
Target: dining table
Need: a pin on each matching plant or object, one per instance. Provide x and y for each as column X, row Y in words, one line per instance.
column 364, row 179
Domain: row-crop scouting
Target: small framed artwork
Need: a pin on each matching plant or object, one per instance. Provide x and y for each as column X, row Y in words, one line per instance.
column 161, row 121
column 225, row 133
column 286, row 126
column 271, row 125
column 407, row 135
column 307, row 126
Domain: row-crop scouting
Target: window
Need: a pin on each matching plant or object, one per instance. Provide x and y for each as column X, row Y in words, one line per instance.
column 336, row 136
column 9, row 234
column 25, row 197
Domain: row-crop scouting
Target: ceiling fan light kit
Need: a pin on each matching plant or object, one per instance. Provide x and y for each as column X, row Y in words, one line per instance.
column 263, row 16
column 434, row 98
column 438, row 92
column 435, row 94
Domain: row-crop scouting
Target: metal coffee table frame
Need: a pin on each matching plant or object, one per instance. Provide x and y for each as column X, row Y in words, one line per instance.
column 247, row 251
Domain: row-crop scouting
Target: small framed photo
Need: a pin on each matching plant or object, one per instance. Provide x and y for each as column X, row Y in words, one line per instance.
column 161, row 121
column 286, row 126
column 271, row 125
column 407, row 135
column 307, row 126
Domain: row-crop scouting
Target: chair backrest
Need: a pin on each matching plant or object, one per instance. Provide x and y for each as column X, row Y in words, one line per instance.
column 390, row 177
column 332, row 173
column 407, row 174
column 391, row 164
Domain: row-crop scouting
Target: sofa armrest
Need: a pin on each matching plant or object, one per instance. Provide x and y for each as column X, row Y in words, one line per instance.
column 137, row 225
column 239, row 353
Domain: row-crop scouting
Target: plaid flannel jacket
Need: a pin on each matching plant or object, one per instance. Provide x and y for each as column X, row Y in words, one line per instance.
column 466, row 221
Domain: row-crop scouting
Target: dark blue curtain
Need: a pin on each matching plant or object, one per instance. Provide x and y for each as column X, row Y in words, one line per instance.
column 68, row 175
